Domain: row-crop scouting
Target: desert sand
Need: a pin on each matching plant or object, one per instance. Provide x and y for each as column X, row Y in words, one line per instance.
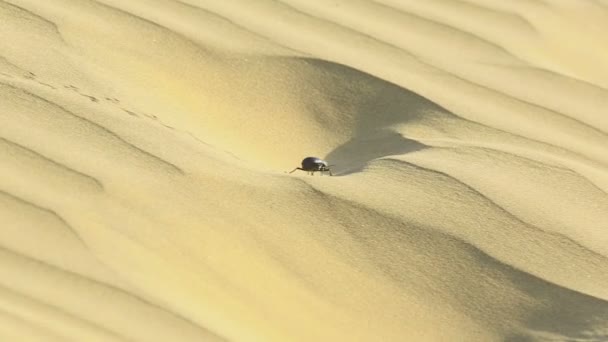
column 144, row 147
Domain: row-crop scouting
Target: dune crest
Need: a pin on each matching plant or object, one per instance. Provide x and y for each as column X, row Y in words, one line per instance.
column 144, row 147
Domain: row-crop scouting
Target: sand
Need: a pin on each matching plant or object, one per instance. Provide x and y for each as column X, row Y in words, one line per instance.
column 144, row 144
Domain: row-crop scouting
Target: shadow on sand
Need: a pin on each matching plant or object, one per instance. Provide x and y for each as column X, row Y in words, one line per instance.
column 373, row 108
column 354, row 155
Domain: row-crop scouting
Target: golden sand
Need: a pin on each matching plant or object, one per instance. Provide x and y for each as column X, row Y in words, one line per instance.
column 144, row 144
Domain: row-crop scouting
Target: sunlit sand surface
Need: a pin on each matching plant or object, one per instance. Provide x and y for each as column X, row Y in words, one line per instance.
column 144, row 144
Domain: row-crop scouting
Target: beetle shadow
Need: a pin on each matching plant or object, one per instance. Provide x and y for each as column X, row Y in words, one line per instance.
column 375, row 110
column 354, row 155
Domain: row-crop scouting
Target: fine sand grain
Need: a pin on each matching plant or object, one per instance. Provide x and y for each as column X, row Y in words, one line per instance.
column 144, row 144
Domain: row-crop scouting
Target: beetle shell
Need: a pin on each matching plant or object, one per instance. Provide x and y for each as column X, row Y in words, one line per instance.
column 313, row 163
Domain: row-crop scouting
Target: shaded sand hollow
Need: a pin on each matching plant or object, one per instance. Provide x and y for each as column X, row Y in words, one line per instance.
column 144, row 144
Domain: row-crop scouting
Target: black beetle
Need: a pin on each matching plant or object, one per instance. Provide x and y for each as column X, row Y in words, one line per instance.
column 314, row 164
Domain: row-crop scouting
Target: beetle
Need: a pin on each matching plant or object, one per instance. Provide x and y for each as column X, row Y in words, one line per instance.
column 314, row 164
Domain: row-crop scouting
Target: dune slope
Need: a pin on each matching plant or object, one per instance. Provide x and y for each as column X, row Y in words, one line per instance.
column 144, row 146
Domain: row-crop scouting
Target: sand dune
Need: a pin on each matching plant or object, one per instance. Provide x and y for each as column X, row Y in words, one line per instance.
column 144, row 146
